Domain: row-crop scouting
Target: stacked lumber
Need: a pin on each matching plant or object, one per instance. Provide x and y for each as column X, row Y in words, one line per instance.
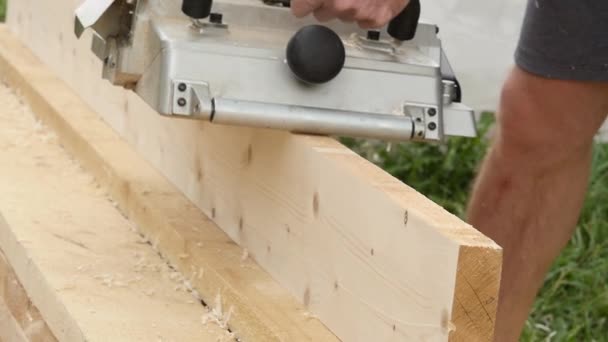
column 296, row 237
column 72, row 268
column 20, row 320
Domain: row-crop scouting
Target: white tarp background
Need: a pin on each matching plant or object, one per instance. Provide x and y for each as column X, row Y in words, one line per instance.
column 479, row 37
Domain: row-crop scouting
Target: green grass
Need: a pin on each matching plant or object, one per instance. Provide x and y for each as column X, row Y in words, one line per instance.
column 573, row 303
column 441, row 172
column 2, row 9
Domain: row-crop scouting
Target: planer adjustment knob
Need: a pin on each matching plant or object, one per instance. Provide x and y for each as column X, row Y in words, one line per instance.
column 315, row 54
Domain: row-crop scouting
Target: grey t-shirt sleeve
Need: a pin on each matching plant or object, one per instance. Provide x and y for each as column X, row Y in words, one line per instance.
column 565, row 39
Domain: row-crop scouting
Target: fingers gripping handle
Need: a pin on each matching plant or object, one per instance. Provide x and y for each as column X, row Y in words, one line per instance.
column 404, row 25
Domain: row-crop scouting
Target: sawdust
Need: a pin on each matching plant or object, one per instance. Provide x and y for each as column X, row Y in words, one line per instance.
column 245, row 255
column 110, row 280
column 451, row 327
column 28, row 132
column 216, row 314
column 309, row 315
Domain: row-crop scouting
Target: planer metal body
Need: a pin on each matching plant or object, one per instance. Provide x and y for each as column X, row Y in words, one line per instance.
column 232, row 65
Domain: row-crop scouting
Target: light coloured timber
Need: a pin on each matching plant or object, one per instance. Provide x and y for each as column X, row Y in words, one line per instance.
column 328, row 225
column 76, row 264
column 20, row 319
column 260, row 309
column 10, row 330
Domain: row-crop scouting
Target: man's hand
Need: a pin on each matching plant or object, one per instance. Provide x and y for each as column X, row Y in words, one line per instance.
column 367, row 13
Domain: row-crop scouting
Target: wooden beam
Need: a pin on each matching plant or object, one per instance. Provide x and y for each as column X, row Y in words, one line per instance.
column 20, row 319
column 9, row 328
column 76, row 264
column 211, row 262
column 371, row 257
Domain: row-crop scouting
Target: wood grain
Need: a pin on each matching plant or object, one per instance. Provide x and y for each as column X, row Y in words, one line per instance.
column 20, row 319
column 76, row 264
column 326, row 224
column 215, row 266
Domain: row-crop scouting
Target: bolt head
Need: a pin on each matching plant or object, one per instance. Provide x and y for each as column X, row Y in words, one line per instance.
column 182, row 87
column 432, row 111
column 432, row 126
column 181, row 102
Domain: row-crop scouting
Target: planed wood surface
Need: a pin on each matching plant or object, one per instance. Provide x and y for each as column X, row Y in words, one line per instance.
column 79, row 266
column 369, row 256
column 217, row 268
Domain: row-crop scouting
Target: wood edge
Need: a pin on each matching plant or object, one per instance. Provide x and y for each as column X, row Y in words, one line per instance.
column 476, row 293
column 20, row 314
column 35, row 285
column 449, row 225
column 142, row 204
column 9, row 328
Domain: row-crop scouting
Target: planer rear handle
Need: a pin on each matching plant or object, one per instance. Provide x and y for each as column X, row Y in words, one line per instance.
column 404, row 25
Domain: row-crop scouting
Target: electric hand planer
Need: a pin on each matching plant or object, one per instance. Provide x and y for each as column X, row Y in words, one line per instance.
column 252, row 63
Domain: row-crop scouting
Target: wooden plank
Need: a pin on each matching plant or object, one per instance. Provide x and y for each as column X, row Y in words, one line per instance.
column 10, row 331
column 21, row 317
column 212, row 263
column 328, row 225
column 75, row 258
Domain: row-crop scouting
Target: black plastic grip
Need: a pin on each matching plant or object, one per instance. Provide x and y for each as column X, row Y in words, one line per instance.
column 404, row 25
column 197, row 9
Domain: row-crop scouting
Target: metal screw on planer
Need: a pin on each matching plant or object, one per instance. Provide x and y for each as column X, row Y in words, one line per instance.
column 182, row 87
column 432, row 111
column 432, row 126
column 181, row 102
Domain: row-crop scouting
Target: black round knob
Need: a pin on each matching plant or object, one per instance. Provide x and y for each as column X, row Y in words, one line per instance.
column 315, row 54
column 197, row 9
